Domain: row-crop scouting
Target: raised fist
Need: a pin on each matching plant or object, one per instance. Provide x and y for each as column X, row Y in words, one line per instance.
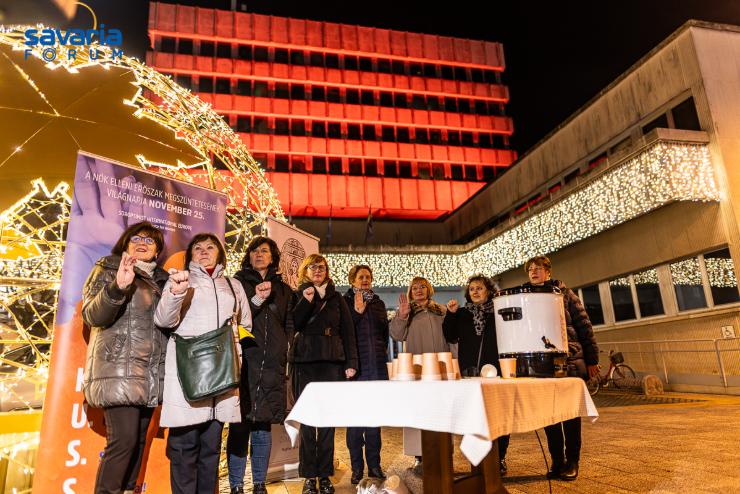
column 179, row 281
column 452, row 306
column 263, row 289
column 308, row 293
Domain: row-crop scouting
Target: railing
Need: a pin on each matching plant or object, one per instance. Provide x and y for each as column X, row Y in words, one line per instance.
column 668, row 356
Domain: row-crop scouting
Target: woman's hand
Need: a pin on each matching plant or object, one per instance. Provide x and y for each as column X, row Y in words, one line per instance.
column 452, row 306
column 125, row 274
column 179, row 281
column 360, row 303
column 350, row 373
column 404, row 309
column 308, row 293
column 263, row 290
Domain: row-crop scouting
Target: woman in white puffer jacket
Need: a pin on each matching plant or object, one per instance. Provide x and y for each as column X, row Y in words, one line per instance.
column 194, row 302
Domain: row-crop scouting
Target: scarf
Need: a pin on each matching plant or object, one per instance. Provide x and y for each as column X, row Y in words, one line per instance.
column 367, row 295
column 322, row 289
column 479, row 312
column 147, row 267
column 431, row 306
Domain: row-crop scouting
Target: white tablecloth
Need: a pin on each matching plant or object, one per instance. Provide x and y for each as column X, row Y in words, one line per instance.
column 478, row 409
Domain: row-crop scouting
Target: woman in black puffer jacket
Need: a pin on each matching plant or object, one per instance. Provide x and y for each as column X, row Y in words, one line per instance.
column 124, row 369
column 371, row 328
column 324, row 349
column 263, row 391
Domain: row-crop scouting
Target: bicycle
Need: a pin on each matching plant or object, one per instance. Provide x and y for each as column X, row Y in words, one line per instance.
column 615, row 376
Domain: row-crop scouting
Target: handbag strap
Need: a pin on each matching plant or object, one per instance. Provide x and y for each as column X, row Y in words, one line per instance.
column 234, row 310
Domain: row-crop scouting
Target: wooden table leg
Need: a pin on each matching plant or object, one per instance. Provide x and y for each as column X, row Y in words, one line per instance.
column 439, row 478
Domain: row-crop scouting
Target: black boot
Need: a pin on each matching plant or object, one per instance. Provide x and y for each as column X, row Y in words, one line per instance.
column 502, row 467
column 556, row 467
column 356, row 476
column 375, row 473
column 237, row 490
column 325, row 486
column 570, row 472
column 418, row 468
column 259, row 488
column 309, row 487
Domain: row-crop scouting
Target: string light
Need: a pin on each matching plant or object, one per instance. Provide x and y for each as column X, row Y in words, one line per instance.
column 665, row 172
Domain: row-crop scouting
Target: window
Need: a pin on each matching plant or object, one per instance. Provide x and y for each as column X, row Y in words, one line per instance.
column 335, row 131
column 368, row 132
column 384, row 66
column 332, row 95
column 297, row 57
column 422, row 171
column 318, row 93
column 368, row 98
column 281, row 55
column 461, row 74
column 205, row 85
column 332, row 60
column 352, row 96
column 402, row 134
column 389, row 134
column 261, row 126
column 471, row 173
column 260, row 53
column 350, row 63
column 687, row 284
column 207, row 49
column 438, row 171
column 319, row 164
column 167, row 45
column 298, row 164
column 422, row 136
column 435, row 136
column 297, row 128
column 353, row 132
column 415, row 69
column 318, row 129
column 489, row 173
column 448, row 73
column 660, row 122
column 282, row 164
column 335, row 166
column 453, row 137
column 418, row 103
column 477, row 75
column 185, row 46
column 722, row 279
column 450, row 104
column 467, row 139
column 297, row 91
column 386, row 99
column 371, row 168
column 481, row 107
column 434, row 103
column 261, row 159
column 223, row 86
column 457, row 172
column 484, row 140
column 260, row 89
column 244, row 52
column 399, row 68
column 463, row 106
column 185, row 81
column 223, row 50
column 243, row 88
column 390, row 168
column 592, row 302
column 430, row 70
column 624, row 308
column 355, row 166
column 282, row 127
column 404, row 169
column 648, row 293
column 400, row 101
column 366, row 64
column 684, row 115
column 243, row 124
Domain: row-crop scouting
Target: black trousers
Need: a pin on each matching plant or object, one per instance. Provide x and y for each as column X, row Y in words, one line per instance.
column 125, row 431
column 194, row 452
column 316, row 453
column 564, row 438
column 369, row 437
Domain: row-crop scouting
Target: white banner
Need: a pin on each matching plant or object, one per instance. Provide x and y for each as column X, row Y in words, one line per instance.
column 294, row 245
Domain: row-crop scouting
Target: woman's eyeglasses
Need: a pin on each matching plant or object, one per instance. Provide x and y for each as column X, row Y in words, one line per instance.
column 138, row 240
column 320, row 268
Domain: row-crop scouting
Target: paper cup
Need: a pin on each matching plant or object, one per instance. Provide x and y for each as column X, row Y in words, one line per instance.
column 430, row 367
column 445, row 364
column 417, row 365
column 456, row 368
column 395, row 367
column 405, row 367
column 390, row 369
column 508, row 367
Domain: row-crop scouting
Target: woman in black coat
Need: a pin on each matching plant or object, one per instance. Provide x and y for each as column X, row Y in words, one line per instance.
column 263, row 390
column 473, row 327
column 371, row 328
column 324, row 349
column 124, row 369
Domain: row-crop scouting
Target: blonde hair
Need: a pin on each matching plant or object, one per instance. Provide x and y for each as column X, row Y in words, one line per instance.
column 311, row 259
column 419, row 279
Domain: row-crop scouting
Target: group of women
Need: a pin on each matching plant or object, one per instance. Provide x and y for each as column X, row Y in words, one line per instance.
column 133, row 306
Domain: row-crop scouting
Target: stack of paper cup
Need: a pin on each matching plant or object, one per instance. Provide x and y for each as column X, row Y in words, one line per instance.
column 405, row 369
column 445, row 365
column 417, row 365
column 390, row 370
column 430, row 367
column 456, row 368
column 394, row 369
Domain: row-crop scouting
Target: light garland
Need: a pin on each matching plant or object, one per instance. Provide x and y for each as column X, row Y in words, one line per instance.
column 721, row 272
column 686, row 272
column 663, row 173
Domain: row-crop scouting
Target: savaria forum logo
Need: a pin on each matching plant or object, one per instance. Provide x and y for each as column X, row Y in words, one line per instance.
column 68, row 45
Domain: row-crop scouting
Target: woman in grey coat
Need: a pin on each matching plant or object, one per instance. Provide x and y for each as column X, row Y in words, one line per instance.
column 124, row 368
column 194, row 302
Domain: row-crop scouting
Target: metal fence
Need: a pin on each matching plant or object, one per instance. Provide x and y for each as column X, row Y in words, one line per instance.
column 697, row 361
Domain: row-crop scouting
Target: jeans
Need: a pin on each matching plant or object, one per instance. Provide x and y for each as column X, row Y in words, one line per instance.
column 236, row 450
column 369, row 437
column 194, row 451
column 125, row 429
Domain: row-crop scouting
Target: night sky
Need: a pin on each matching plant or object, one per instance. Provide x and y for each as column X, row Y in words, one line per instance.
column 558, row 54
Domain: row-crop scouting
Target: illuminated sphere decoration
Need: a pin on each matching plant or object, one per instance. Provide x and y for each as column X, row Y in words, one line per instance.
column 117, row 108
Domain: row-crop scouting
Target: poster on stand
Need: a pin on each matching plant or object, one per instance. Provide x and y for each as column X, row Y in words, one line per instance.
column 108, row 198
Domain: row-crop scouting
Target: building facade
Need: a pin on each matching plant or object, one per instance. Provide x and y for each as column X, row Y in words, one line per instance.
column 636, row 199
column 346, row 120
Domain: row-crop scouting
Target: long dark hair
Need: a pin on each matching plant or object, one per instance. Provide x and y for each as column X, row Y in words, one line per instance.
column 200, row 238
column 256, row 242
column 136, row 229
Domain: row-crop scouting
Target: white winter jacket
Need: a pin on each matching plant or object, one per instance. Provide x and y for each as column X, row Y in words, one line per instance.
column 210, row 293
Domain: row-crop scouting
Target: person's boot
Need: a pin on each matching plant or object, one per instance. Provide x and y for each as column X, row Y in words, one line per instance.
column 556, row 466
column 237, row 490
column 356, row 477
column 570, row 471
column 259, row 488
column 375, row 473
column 309, row 487
column 325, row 486
column 503, row 467
column 418, row 468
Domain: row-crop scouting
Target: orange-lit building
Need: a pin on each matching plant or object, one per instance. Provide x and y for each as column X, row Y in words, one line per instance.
column 346, row 119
